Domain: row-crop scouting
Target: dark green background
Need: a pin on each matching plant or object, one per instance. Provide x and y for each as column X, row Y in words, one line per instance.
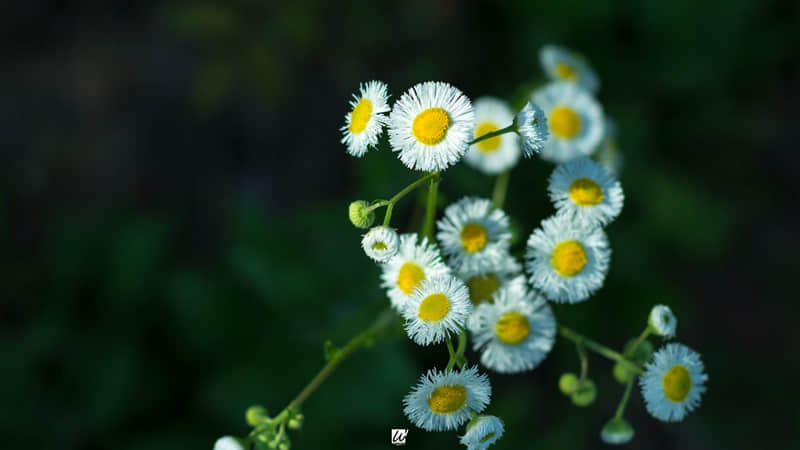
column 175, row 245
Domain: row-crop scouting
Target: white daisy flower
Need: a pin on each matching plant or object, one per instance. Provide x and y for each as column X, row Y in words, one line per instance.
column 227, row 443
column 482, row 284
column 443, row 400
column 364, row 123
column 663, row 321
column 380, row 243
column 608, row 154
column 673, row 382
column 412, row 264
column 472, row 235
column 566, row 261
column 437, row 307
column 532, row 126
column 482, row 432
column 560, row 64
column 574, row 118
column 431, row 125
column 499, row 153
column 516, row 332
column 585, row 192
column 616, row 431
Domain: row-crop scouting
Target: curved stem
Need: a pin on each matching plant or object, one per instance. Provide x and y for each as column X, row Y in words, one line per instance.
column 384, row 319
column 599, row 349
column 639, row 340
column 389, row 204
column 624, row 400
column 492, row 134
column 500, row 189
column 584, row 363
column 452, row 361
column 457, row 355
column 462, row 347
column 412, row 186
column 430, row 207
column 388, row 216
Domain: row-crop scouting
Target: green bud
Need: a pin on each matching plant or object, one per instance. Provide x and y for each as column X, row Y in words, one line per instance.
column 568, row 383
column 284, row 445
column 643, row 352
column 616, row 431
column 296, row 422
column 256, row 415
column 585, row 394
column 622, row 374
column 360, row 215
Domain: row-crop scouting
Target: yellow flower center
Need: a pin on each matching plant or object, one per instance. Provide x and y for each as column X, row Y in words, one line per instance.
column 409, row 277
column 568, row 258
column 430, row 126
column 379, row 246
column 482, row 287
column 677, row 382
column 360, row 115
column 487, row 145
column 487, row 437
column 585, row 192
column 448, row 399
column 512, row 328
column 566, row 72
column 473, row 237
column 434, row 307
column 564, row 122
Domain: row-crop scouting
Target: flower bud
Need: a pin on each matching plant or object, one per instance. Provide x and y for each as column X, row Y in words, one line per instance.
column 296, row 422
column 228, row 443
column 256, row 415
column 568, row 383
column 360, row 214
column 662, row 321
column 585, row 395
column 617, row 431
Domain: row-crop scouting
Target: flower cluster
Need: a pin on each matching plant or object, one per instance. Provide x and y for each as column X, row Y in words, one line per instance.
column 466, row 284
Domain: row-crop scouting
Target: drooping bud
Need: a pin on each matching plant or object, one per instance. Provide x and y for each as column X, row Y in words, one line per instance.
column 360, row 214
column 585, row 394
column 568, row 383
column 256, row 415
column 616, row 431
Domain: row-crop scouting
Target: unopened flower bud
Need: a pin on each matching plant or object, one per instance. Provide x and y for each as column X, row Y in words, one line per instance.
column 360, row 214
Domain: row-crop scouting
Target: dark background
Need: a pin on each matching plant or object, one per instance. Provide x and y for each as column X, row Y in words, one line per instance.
column 175, row 245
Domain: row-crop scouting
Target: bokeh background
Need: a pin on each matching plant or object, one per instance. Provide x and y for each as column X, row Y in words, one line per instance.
column 175, row 244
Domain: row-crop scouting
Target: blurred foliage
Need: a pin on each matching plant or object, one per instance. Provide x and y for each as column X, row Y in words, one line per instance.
column 176, row 245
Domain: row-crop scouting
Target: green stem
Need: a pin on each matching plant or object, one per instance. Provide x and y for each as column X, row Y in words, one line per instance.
column 389, row 204
column 430, row 207
column 599, row 349
column 639, row 340
column 450, row 350
column 458, row 354
column 508, row 129
column 388, row 216
column 452, row 361
column 500, row 189
column 584, row 363
column 462, row 347
column 624, row 400
column 412, row 186
column 383, row 320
